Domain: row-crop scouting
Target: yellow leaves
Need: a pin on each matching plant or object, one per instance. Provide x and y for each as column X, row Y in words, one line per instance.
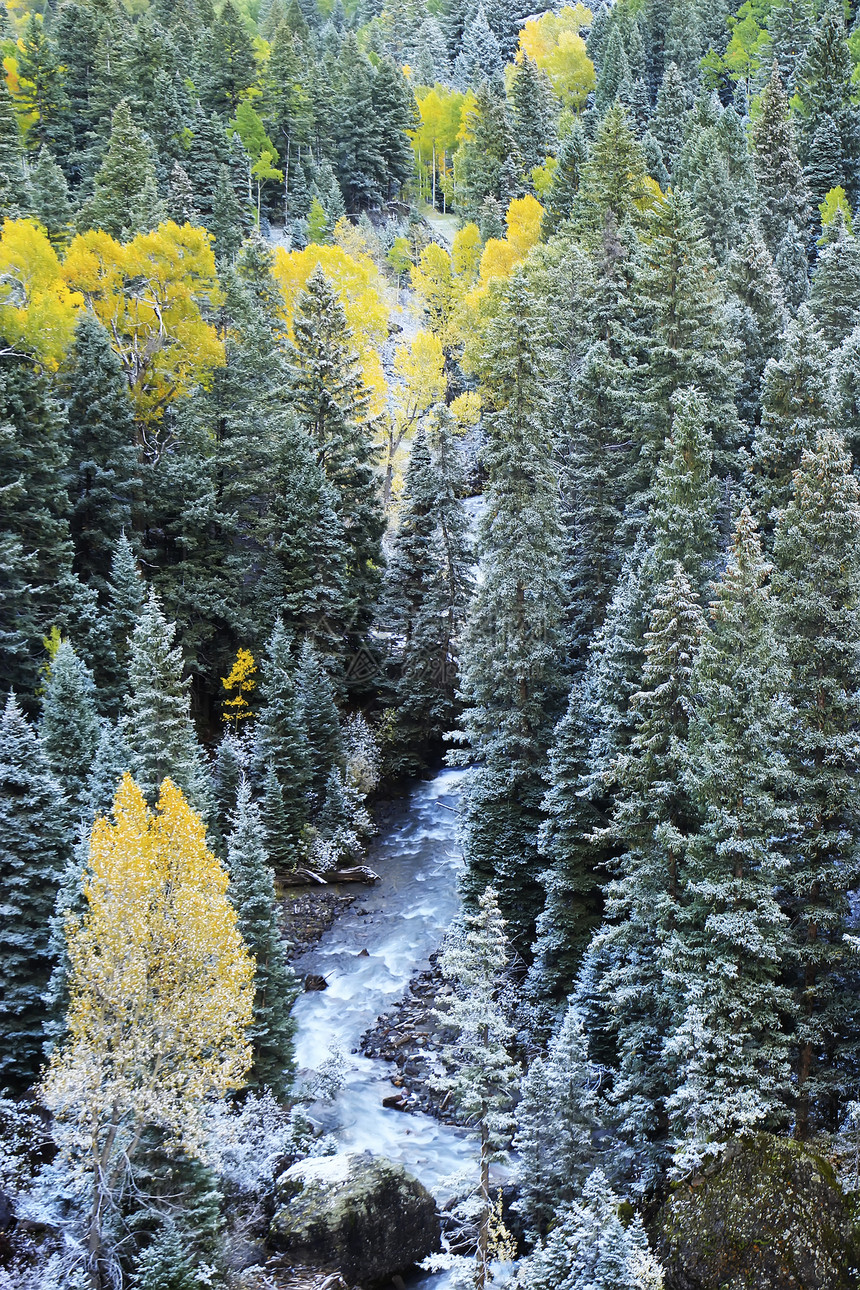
column 151, row 295
column 434, row 283
column 554, row 43
column 419, row 367
column 466, row 253
column 160, row 980
column 523, row 220
column 441, row 112
column 466, row 409
column 239, row 683
column 37, row 308
column 498, row 259
column 356, row 280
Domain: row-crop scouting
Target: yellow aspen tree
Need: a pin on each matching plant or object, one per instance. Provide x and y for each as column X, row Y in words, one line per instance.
column 239, row 683
column 421, row 384
column 161, row 989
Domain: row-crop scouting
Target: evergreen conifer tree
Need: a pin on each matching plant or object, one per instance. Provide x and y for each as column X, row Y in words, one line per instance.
column 479, row 58
column 317, row 713
column 332, row 404
column 50, row 198
column 232, row 69
column 34, row 846
column 668, row 122
column 230, row 767
column 759, row 314
column 555, row 1119
column 124, row 183
column 427, row 589
column 104, row 468
column 280, row 739
column 779, row 175
column 794, row 397
column 11, row 156
column 281, row 846
column 729, row 1046
column 816, row 590
column 572, row 156
column 533, row 112
column 513, row 646
column 252, row 892
column 69, row 728
column 834, row 295
column 158, row 723
column 113, row 759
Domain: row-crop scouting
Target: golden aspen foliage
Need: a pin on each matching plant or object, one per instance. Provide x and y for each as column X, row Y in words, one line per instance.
column 151, row 294
column 439, row 291
column 356, row 280
column 466, row 253
column 38, row 310
column 239, row 683
column 161, row 989
column 555, row 45
column 421, row 384
column 466, row 409
column 523, row 220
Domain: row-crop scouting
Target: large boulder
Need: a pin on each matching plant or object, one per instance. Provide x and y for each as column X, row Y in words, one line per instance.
column 361, row 1214
column 768, row 1215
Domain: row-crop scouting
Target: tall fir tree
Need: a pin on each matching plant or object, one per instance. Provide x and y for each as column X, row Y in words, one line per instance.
column 779, row 175
column 158, row 724
column 317, row 712
column 125, row 198
column 34, row 846
column 816, row 589
column 513, row 648
column 252, row 892
column 69, row 727
column 280, row 739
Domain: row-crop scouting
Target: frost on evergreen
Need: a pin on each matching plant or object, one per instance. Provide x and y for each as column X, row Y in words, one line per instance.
column 816, row 589
column 158, row 724
column 112, row 759
column 556, row 1117
column 317, row 713
column 590, row 1248
column 281, row 737
column 69, row 727
column 252, row 892
column 34, row 846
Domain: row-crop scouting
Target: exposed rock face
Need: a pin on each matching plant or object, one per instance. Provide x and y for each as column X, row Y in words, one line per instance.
column 768, row 1216
column 359, row 1213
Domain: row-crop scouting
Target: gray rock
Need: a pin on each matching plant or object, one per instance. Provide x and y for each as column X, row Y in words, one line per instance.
column 362, row 1214
column 770, row 1215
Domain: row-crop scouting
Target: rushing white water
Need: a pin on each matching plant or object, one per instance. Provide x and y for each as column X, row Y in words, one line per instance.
column 399, row 922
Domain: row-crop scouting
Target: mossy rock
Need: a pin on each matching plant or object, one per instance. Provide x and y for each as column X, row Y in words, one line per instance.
column 362, row 1214
column 769, row 1215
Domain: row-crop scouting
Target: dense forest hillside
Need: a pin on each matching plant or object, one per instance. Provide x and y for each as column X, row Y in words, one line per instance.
column 387, row 385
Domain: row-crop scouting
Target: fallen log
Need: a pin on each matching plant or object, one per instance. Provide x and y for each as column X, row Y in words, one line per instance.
column 360, row 873
column 304, row 877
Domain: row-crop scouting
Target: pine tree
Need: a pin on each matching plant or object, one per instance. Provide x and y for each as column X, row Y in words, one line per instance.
column 816, row 589
column 281, row 846
column 317, row 713
column 125, row 181
column 34, row 845
column 103, row 456
column 230, row 766
column 158, row 724
column 40, row 91
column 480, row 1072
column 669, row 120
column 614, row 177
column 511, row 662
column 427, row 589
column 730, row 1047
column 614, row 70
column 126, row 594
column 484, row 150
column 180, row 200
column 280, row 739
column 69, row 728
column 11, row 156
column 555, row 1118
column 332, row 403
column 165, row 1263
column 779, row 176
column 50, row 198
column 252, row 892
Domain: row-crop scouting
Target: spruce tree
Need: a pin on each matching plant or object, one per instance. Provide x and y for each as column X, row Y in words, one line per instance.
column 69, row 728
column 50, row 198
column 794, row 397
column 533, row 112
column 317, row 713
column 614, row 177
column 729, row 1045
column 555, row 1118
column 332, row 403
column 427, row 589
column 281, row 846
column 572, row 156
column 252, row 892
column 479, row 58
column 758, row 311
column 105, row 478
column 11, row 156
column 113, row 758
column 126, row 594
column 34, row 846
column 816, row 589
column 668, row 122
column 280, row 739
column 779, row 175
column 158, row 723
column 125, row 181
column 40, row 93
column 229, row 768
column 513, row 647
column 232, row 69
column 834, row 295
